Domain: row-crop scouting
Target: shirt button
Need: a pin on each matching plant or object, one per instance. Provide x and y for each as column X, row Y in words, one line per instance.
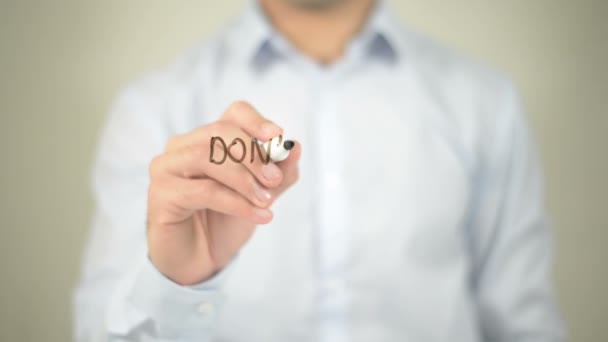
column 206, row 309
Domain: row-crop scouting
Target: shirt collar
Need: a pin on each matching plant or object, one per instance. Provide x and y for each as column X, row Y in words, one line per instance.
column 259, row 43
column 379, row 37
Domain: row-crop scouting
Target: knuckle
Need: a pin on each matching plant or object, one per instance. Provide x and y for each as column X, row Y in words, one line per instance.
column 187, row 194
column 153, row 193
column 208, row 190
column 155, row 167
column 238, row 107
column 188, row 155
column 178, row 197
column 173, row 142
column 164, row 199
column 160, row 197
column 168, row 194
column 162, row 218
column 217, row 128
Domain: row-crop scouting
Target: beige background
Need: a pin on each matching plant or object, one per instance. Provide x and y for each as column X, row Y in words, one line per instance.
column 62, row 62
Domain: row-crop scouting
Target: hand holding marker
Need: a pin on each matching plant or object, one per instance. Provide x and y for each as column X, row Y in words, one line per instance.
column 200, row 215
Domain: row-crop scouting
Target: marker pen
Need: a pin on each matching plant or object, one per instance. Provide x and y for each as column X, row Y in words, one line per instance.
column 277, row 148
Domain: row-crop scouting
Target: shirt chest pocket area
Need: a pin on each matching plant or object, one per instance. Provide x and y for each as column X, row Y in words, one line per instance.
column 409, row 192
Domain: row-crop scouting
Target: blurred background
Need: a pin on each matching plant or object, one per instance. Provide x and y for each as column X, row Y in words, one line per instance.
column 63, row 61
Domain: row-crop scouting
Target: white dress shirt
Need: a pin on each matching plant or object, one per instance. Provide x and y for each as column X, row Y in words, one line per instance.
column 418, row 215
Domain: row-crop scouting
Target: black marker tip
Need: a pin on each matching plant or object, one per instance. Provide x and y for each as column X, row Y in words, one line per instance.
column 288, row 144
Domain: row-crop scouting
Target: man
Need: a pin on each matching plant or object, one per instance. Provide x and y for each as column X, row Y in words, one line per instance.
column 409, row 209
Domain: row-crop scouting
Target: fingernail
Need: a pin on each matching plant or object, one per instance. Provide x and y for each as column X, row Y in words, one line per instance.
column 262, row 194
column 269, row 129
column 263, row 214
column 271, row 172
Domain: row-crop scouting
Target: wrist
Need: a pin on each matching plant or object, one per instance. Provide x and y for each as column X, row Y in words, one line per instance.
column 185, row 272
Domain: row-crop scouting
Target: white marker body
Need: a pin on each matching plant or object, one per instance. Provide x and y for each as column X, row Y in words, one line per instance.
column 278, row 152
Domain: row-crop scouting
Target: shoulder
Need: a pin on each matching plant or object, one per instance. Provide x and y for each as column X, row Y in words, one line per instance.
column 450, row 72
column 183, row 71
column 475, row 103
column 169, row 95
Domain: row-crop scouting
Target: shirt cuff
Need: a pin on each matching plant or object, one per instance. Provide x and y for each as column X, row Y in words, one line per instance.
column 176, row 310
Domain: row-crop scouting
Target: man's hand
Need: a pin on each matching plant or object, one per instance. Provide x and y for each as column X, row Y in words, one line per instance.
column 199, row 213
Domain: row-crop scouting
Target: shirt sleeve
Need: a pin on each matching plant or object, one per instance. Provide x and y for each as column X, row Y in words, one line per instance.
column 511, row 235
column 176, row 311
column 120, row 295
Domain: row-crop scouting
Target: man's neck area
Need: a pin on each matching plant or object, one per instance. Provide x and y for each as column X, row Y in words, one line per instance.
column 322, row 33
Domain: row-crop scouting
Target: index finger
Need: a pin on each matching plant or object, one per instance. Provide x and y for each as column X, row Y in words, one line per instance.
column 243, row 115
